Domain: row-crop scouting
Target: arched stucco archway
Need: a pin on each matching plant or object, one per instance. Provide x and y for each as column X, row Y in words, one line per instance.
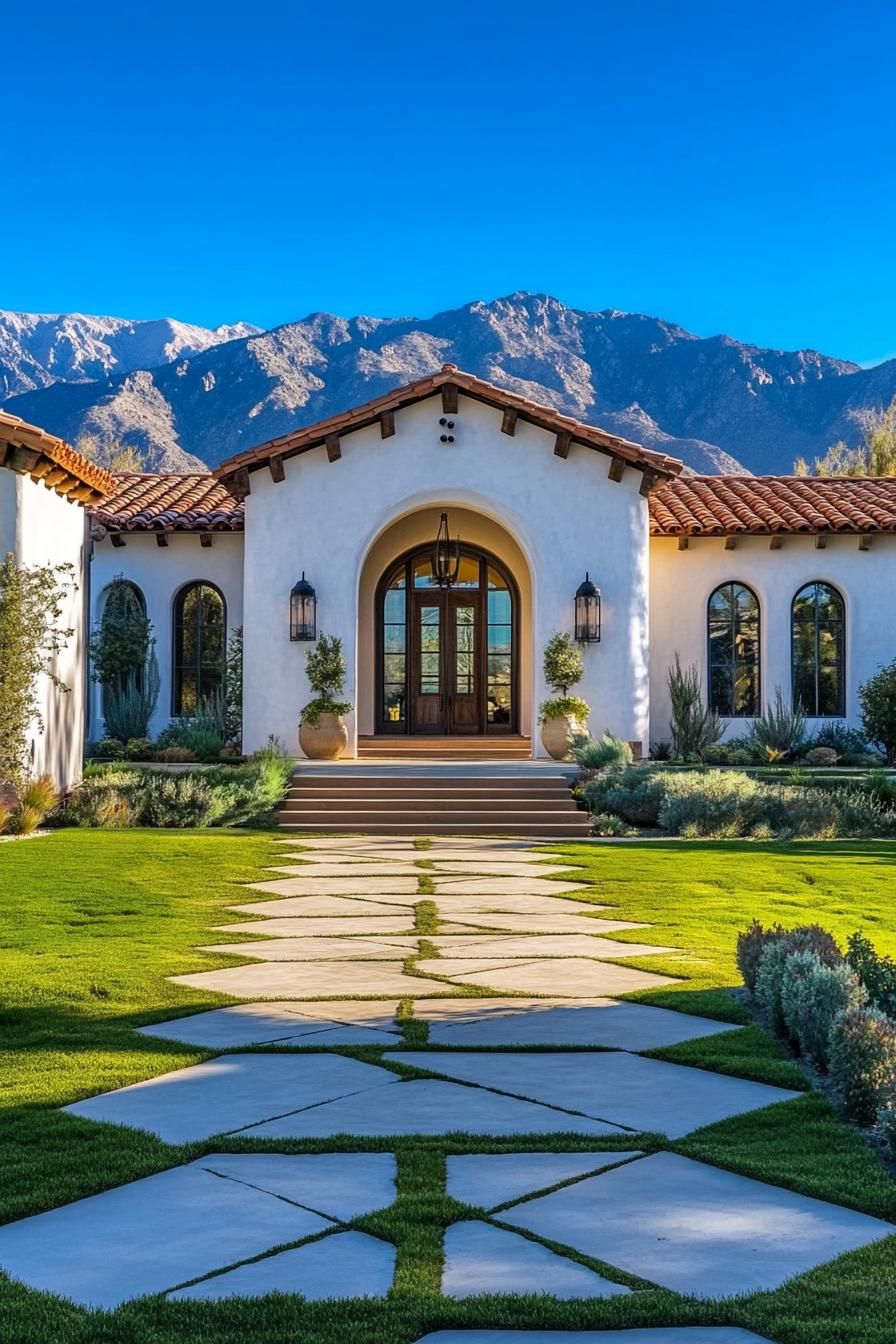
column 417, row 528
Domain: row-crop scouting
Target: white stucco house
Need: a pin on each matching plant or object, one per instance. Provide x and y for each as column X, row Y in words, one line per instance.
column 761, row 581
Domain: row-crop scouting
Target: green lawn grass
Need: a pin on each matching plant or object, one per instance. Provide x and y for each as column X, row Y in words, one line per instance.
column 93, row 922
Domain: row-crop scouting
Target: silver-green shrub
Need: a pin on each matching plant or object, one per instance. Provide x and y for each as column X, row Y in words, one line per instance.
column 862, row 1061
column 719, row 803
column 598, row 753
column 812, row 994
column 634, row 793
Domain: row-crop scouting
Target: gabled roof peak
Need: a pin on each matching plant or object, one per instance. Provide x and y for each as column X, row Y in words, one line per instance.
column 656, row 464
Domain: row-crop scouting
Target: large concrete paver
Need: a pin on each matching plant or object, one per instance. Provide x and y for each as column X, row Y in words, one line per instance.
column 428, row 1106
column 481, row 1258
column 486, row 1180
column 338, row 1185
column 321, row 949
column 325, row 926
column 262, row 1024
column 229, row 1093
column 694, row 1228
column 629, row 1090
column 575, row 977
column 339, row 906
column 345, row 885
column 308, row 979
column 346, row 1264
column 148, row 1236
column 605, row 1022
column 530, row 946
column 662, row 1334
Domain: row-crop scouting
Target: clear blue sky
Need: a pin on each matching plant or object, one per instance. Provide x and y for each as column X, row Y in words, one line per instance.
column 724, row 165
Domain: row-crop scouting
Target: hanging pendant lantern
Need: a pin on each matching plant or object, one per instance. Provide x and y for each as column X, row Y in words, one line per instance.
column 587, row 612
column 445, row 556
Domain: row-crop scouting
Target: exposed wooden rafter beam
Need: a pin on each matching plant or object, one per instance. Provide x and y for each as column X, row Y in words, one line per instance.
column 821, row 541
column 5, row 451
column 683, row 542
column 387, row 424
column 241, row 483
column 333, row 447
column 83, row 494
column 508, row 420
column 449, row 399
column 648, row 480
column 561, row 443
column 278, row 471
column 775, row 543
column 616, row 468
column 205, row 539
column 731, row 543
column 161, row 539
column 118, row 540
column 864, row 542
column 23, row 460
column 52, row 478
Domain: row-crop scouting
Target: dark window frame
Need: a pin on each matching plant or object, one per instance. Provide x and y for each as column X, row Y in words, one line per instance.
column 756, row 710
column 813, row 711
column 178, row 666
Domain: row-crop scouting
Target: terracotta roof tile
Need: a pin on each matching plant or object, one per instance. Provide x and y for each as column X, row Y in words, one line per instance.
column 311, row 436
column 53, row 459
column 724, row 505
column 170, row 502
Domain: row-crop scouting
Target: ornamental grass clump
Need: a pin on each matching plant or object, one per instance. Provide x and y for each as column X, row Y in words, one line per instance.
column 812, row 994
column 779, row 733
column 720, row 804
column 594, row 754
column 862, row 1061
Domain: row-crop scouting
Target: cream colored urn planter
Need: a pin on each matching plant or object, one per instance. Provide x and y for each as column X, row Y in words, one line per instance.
column 325, row 740
column 557, row 736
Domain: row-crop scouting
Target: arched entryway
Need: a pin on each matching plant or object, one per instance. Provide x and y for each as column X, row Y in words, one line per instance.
column 447, row 658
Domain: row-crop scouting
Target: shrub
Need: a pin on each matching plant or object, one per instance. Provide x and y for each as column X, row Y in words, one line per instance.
column 177, row 800
column 877, row 973
column 138, row 749
column 886, row 1122
column 772, row 964
column 226, row 796
column 693, row 726
column 821, row 756
column 32, row 602
column 877, row 699
column 325, row 668
column 812, row 994
column 660, row 751
column 175, row 755
column 633, row 793
column 845, row 741
column 780, row 731
column 716, row 803
column 108, row 748
column 130, row 704
column 862, row 1061
column 750, row 946
column 597, row 754
column 607, row 824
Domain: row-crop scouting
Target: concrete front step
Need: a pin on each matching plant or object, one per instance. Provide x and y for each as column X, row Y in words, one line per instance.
column 397, row 801
column 546, row 829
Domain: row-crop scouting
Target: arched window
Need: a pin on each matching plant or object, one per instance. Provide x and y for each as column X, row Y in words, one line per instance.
column 200, row 624
column 733, row 628
column 817, row 648
column 120, row 645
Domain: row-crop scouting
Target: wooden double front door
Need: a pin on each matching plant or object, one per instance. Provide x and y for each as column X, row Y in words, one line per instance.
column 447, row 657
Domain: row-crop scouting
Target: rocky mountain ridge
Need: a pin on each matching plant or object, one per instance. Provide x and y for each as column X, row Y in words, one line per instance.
column 186, row 395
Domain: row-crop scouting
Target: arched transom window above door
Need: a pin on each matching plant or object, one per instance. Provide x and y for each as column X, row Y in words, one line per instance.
column 447, row 657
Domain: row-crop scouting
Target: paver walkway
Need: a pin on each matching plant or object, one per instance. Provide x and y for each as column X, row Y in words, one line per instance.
column 485, row 948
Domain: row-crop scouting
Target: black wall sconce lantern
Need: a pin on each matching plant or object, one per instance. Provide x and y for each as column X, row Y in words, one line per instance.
column 303, row 611
column 587, row 612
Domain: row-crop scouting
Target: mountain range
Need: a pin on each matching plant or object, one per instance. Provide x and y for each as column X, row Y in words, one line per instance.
column 187, row 396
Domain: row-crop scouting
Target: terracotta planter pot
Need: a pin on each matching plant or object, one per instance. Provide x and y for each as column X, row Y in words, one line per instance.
column 557, row 736
column 325, row 740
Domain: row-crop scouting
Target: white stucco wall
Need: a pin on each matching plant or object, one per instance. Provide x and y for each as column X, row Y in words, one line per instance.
column 40, row 527
column 564, row 515
column 682, row 581
column 160, row 572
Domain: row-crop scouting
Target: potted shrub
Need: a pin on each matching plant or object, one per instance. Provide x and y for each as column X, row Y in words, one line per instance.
column 322, row 733
column 564, row 717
